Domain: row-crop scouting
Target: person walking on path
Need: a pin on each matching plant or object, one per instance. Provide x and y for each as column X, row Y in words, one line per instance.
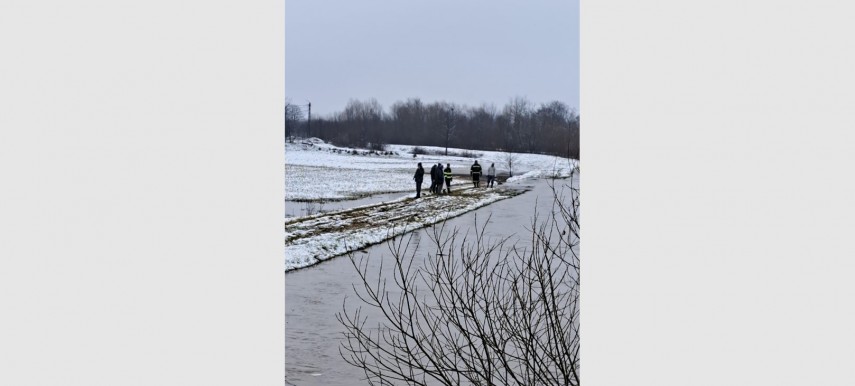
column 475, row 171
column 418, row 177
column 491, row 175
column 447, row 174
column 433, row 179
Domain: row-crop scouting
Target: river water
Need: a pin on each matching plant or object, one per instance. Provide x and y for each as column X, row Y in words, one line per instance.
column 315, row 294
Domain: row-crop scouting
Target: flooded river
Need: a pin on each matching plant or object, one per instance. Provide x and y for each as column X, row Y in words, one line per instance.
column 315, row 294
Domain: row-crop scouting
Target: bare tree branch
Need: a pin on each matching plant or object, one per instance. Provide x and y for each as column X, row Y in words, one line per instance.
column 475, row 311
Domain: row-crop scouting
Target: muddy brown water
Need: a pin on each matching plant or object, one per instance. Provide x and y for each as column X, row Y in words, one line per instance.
column 315, row 294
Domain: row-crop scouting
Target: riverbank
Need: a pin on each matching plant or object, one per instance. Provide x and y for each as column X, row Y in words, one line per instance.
column 312, row 239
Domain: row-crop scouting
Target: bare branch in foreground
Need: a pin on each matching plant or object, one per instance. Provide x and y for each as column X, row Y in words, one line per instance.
column 477, row 311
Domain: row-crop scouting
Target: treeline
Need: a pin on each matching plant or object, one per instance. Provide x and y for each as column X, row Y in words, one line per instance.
column 520, row 126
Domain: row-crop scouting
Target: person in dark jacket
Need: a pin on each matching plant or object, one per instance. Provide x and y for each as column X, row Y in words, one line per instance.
column 418, row 177
column 475, row 171
column 433, row 179
column 438, row 178
column 447, row 174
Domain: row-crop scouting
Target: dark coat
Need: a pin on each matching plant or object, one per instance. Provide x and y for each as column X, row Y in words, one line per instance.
column 475, row 169
column 433, row 172
column 420, row 174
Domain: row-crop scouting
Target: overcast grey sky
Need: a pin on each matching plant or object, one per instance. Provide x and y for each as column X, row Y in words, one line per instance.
column 462, row 51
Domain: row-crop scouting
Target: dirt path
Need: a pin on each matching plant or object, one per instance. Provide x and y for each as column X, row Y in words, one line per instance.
column 311, row 239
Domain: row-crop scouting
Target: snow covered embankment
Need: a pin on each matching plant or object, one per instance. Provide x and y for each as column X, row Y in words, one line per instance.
column 316, row 171
column 310, row 240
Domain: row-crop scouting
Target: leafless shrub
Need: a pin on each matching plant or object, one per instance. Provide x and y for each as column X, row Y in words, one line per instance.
column 418, row 150
column 454, row 153
column 467, row 154
column 377, row 146
column 311, row 208
column 510, row 160
column 476, row 312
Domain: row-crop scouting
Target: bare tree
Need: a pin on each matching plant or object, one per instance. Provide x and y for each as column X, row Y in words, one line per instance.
column 510, row 159
column 364, row 117
column 573, row 140
column 409, row 121
column 483, row 124
column 311, row 208
column 293, row 117
column 549, row 132
column 450, row 125
column 476, row 312
column 518, row 113
column 551, row 128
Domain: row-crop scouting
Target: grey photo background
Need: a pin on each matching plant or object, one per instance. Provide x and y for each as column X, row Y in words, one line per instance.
column 466, row 52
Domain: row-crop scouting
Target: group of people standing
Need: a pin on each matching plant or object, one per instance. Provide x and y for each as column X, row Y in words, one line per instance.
column 438, row 174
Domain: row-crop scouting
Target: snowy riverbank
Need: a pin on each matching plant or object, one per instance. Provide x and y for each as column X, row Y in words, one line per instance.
column 312, row 239
column 317, row 171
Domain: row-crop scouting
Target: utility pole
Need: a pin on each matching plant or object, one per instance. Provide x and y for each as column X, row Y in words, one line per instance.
column 449, row 125
column 309, row 122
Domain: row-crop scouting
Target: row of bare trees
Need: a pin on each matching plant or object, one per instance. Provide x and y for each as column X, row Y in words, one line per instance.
column 520, row 126
column 473, row 311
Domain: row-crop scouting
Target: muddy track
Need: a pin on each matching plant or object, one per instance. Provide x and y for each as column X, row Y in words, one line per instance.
column 386, row 214
column 322, row 236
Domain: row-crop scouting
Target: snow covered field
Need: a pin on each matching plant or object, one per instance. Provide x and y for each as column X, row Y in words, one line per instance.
column 321, row 172
column 316, row 171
